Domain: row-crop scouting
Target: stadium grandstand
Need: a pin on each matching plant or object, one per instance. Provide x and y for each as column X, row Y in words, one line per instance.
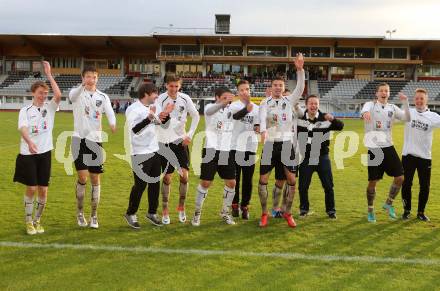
column 344, row 71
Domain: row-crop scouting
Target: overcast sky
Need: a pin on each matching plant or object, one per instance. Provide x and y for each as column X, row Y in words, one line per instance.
column 413, row 19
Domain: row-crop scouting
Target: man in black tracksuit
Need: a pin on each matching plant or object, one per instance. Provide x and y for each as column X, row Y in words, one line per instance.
column 313, row 138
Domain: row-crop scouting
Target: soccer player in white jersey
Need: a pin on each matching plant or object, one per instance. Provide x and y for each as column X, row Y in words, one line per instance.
column 246, row 128
column 278, row 152
column 89, row 104
column 142, row 120
column 416, row 153
column 379, row 116
column 216, row 155
column 33, row 164
column 174, row 137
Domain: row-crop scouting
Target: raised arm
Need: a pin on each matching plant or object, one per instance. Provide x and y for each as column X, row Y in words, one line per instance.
column 56, row 90
column 404, row 114
column 75, row 93
column 300, row 80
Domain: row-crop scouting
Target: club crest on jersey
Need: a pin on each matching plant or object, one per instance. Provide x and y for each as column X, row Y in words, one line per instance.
column 44, row 112
column 229, row 114
column 284, row 117
column 87, row 110
column 98, row 103
column 283, row 106
column 378, row 124
column 181, row 108
column 390, row 114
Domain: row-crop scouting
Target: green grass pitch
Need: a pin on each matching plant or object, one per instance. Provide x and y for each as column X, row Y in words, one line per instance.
column 237, row 264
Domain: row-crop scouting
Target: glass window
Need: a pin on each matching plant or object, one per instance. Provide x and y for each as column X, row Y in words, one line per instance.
column 190, row 50
column 345, row 71
column 213, row 50
column 170, row 49
column 217, row 68
column 364, row 53
column 344, row 52
column 304, row 50
column 320, row 52
column 385, row 53
column 233, row 51
column 277, row 51
column 256, row 51
column 400, row 53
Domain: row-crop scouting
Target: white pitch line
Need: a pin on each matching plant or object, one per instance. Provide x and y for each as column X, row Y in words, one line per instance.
column 201, row 252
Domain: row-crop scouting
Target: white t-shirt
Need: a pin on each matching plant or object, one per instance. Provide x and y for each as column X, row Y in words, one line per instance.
column 244, row 137
column 88, row 108
column 145, row 141
column 418, row 133
column 219, row 128
column 276, row 113
column 176, row 127
column 39, row 121
column 378, row 132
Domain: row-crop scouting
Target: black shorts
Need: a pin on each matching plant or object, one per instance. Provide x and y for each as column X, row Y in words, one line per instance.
column 146, row 167
column 278, row 155
column 391, row 164
column 33, row 170
column 220, row 162
column 87, row 155
column 168, row 160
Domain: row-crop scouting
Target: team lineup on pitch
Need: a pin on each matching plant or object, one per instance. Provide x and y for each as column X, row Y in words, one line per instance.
column 295, row 144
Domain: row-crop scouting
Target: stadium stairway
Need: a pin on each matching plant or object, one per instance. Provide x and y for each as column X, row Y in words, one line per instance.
column 369, row 91
column 432, row 86
column 347, row 88
column 14, row 78
column 326, row 86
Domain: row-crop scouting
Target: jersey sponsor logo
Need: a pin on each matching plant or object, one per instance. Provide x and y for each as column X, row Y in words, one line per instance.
column 417, row 124
column 390, row 114
column 284, row 117
column 378, row 124
column 229, row 115
column 98, row 103
column 181, row 108
column 87, row 110
column 44, row 112
column 247, row 119
column 284, row 105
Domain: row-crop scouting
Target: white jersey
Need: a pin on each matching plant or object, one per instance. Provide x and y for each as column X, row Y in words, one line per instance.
column 244, row 137
column 175, row 128
column 39, row 121
column 276, row 113
column 88, row 108
column 298, row 112
column 219, row 128
column 418, row 133
column 144, row 141
column 378, row 132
